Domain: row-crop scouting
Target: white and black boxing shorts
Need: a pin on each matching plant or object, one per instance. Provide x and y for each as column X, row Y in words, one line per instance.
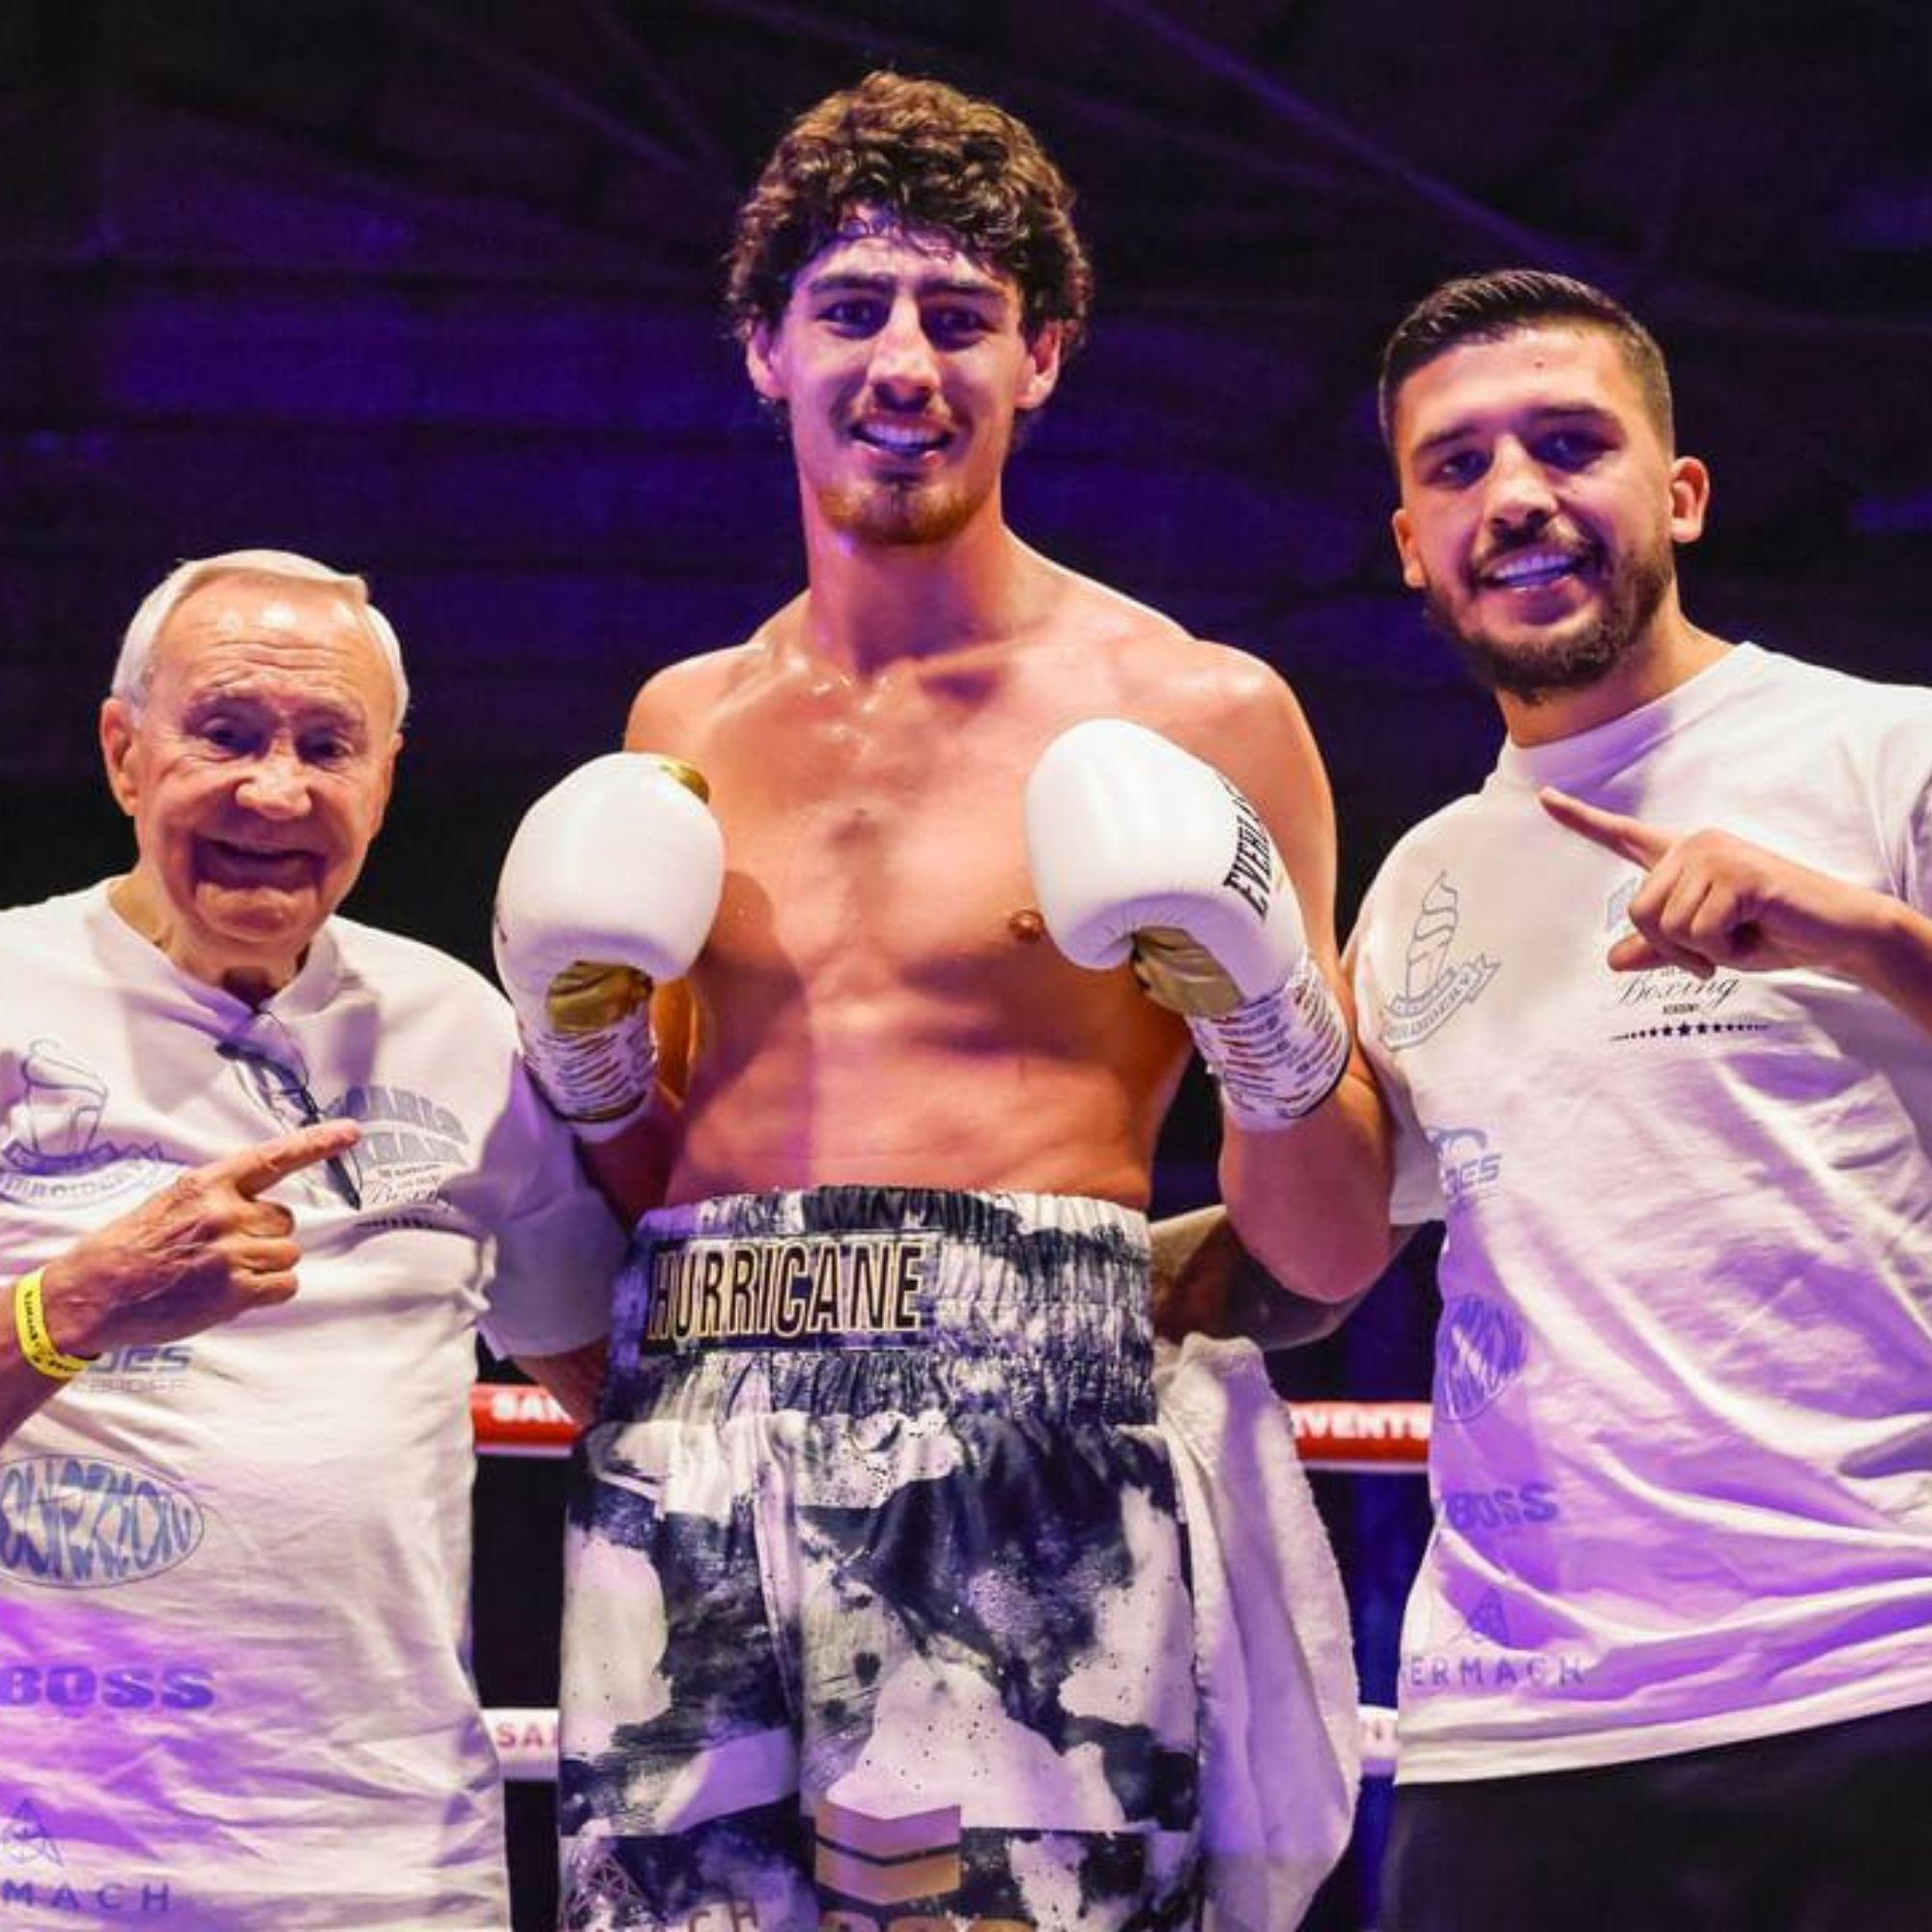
column 878, row 1603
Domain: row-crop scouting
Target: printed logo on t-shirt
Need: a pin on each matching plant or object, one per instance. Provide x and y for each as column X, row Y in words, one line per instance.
column 1485, row 1514
column 1667, row 1002
column 410, row 1145
column 142, row 1368
column 1434, row 987
column 601, row 1893
column 35, row 1875
column 66, row 1687
column 25, row 1840
column 1482, row 1659
column 1468, row 1166
column 1481, row 1348
column 54, row 1151
column 78, row 1522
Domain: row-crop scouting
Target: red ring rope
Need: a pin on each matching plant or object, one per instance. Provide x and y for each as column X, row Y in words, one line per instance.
column 516, row 1419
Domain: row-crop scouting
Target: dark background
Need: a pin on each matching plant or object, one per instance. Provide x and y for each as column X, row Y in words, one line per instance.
column 429, row 289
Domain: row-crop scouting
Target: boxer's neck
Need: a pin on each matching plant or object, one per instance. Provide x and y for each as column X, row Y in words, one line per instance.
column 869, row 607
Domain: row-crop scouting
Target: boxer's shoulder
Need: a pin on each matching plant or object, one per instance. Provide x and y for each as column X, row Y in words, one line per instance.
column 673, row 701
column 1222, row 703
column 1143, row 648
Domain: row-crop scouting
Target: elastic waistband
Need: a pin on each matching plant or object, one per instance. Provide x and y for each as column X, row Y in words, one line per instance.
column 876, row 1267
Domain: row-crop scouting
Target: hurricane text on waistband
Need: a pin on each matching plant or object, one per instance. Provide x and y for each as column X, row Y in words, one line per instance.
column 787, row 1290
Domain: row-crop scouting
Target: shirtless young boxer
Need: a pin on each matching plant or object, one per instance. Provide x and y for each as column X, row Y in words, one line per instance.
column 882, row 1601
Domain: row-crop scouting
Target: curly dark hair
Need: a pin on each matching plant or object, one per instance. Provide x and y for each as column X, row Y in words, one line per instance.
column 937, row 160
column 1503, row 302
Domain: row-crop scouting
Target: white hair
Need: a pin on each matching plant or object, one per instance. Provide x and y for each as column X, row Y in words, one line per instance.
column 134, row 668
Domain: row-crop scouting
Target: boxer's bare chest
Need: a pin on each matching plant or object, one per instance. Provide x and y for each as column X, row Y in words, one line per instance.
column 878, row 997
column 875, row 830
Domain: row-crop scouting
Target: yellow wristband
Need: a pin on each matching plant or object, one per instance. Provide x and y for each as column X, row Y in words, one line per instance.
column 30, row 1324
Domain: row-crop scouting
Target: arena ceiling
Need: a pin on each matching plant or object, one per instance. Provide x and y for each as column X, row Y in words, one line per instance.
column 429, row 289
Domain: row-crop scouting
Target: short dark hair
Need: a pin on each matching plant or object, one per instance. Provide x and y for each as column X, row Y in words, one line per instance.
column 935, row 159
column 1503, row 302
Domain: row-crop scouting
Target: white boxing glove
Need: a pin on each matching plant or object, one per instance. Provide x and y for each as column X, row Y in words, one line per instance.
column 610, row 886
column 1143, row 855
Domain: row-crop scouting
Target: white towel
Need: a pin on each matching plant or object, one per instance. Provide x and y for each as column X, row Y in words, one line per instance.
column 1281, row 1750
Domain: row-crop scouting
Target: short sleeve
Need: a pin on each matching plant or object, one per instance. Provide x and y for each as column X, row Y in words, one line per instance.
column 1417, row 1194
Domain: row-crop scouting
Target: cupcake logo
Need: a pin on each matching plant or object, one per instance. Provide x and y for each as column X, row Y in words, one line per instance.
column 1434, row 985
column 53, row 1149
column 64, row 1103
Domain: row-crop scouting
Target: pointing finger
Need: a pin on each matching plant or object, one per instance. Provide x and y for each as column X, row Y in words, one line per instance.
column 1634, row 953
column 258, row 1168
column 1630, row 837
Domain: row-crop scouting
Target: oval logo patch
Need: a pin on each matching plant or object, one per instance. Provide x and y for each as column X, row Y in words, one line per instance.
column 74, row 1522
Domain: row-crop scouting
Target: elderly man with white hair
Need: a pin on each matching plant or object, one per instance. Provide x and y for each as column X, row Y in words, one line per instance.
column 265, row 1171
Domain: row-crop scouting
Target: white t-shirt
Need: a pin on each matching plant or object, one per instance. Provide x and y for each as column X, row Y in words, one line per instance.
column 234, row 1570
column 1682, row 1467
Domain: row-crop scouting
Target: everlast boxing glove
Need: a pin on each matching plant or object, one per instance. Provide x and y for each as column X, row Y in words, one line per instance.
column 1142, row 854
column 608, row 887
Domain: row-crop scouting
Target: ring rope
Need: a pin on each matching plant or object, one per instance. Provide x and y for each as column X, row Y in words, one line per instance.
column 1368, row 1437
column 526, row 1740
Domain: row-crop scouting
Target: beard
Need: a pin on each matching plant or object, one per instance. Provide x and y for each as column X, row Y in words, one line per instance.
column 1565, row 659
column 897, row 515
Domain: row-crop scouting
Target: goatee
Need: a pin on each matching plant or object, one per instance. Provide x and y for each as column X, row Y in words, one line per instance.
column 894, row 516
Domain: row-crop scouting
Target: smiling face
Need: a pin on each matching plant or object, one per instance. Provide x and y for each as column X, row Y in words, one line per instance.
column 1540, row 507
column 256, row 767
column 901, row 364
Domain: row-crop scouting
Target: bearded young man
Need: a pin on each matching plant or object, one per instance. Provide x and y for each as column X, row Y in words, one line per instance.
column 1651, row 1012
